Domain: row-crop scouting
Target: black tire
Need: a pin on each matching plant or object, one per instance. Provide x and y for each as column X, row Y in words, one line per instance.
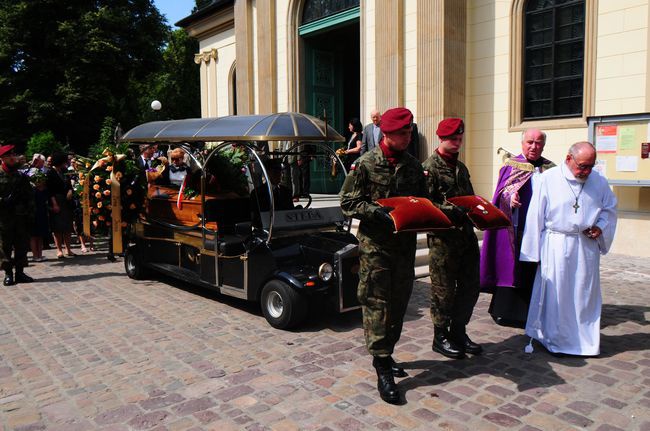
column 133, row 264
column 282, row 306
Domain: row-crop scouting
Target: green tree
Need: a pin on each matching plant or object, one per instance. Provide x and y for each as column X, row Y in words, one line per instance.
column 177, row 86
column 43, row 143
column 65, row 66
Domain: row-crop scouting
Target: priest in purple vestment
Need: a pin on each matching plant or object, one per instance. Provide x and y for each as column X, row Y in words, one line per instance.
column 509, row 280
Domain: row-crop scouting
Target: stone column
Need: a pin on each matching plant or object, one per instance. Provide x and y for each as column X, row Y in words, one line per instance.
column 441, row 74
column 266, row 57
column 389, row 60
column 208, row 62
column 244, row 54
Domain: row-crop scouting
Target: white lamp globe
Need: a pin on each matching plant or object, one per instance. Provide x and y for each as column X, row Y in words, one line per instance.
column 156, row 105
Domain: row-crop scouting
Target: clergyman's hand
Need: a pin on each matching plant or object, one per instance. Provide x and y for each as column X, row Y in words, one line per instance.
column 593, row 232
column 382, row 215
column 514, row 200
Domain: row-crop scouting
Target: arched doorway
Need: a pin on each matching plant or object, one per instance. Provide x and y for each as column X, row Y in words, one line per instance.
column 331, row 54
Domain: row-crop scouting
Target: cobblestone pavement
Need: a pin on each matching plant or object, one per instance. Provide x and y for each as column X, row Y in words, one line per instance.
column 85, row 348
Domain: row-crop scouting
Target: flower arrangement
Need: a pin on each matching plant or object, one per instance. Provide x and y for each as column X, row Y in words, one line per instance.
column 104, row 176
column 230, row 168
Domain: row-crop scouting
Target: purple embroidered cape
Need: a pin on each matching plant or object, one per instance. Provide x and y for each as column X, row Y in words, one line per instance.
column 500, row 250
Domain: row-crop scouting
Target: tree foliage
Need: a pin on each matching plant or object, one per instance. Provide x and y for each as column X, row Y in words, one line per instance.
column 43, row 143
column 67, row 65
column 177, row 85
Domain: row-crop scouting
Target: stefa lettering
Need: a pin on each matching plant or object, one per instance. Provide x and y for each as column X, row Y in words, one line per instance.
column 299, row 216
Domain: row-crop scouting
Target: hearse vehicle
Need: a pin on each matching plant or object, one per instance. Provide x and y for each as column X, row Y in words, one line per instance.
column 224, row 229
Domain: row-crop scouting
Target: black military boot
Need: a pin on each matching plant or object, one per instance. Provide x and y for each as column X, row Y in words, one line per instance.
column 385, row 382
column 21, row 277
column 9, row 278
column 459, row 334
column 396, row 369
column 443, row 344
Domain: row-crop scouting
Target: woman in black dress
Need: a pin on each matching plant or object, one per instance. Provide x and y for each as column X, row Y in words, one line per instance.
column 61, row 204
column 353, row 148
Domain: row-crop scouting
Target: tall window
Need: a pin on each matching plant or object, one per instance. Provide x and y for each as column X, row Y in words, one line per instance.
column 317, row 9
column 554, row 46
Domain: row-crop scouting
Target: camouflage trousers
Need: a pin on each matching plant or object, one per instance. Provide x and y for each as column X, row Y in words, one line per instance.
column 14, row 237
column 455, row 284
column 385, row 284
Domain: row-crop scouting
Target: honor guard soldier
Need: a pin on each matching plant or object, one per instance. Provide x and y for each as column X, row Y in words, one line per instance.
column 453, row 253
column 387, row 259
column 16, row 217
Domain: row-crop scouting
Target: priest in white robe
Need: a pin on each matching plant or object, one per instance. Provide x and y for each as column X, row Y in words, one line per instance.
column 571, row 221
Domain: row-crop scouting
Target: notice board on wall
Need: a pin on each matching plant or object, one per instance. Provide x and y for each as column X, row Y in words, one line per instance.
column 622, row 144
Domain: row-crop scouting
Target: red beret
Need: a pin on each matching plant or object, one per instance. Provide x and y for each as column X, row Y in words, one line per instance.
column 395, row 119
column 450, row 126
column 6, row 149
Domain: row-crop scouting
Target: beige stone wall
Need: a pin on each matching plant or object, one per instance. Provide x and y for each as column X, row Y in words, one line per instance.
column 621, row 81
column 621, row 87
column 215, row 73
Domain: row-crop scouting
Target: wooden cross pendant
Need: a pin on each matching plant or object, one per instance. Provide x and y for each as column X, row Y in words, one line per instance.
column 576, row 206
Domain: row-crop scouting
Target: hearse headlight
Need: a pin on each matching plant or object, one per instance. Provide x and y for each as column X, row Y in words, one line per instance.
column 325, row 272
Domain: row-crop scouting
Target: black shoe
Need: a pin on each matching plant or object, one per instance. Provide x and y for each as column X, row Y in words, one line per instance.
column 385, row 381
column 396, row 369
column 443, row 344
column 472, row 347
column 9, row 279
column 21, row 277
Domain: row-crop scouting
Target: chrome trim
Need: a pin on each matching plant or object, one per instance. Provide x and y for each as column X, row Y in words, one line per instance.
column 340, row 255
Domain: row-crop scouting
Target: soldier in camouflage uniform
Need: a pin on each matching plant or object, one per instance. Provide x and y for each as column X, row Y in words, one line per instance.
column 453, row 253
column 387, row 259
column 16, row 216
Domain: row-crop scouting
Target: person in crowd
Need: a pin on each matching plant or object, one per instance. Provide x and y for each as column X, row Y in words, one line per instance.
column 40, row 227
column 37, row 165
column 48, row 164
column 145, row 160
column 387, row 259
column 571, row 221
column 372, row 133
column 353, row 148
column 77, row 212
column 61, row 204
column 300, row 172
column 177, row 170
column 282, row 197
column 509, row 280
column 16, row 217
column 453, row 253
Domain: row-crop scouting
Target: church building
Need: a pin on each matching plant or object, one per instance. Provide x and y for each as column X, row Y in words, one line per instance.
column 577, row 69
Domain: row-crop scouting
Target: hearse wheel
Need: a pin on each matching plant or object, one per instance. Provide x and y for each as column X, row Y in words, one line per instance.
column 133, row 265
column 282, row 306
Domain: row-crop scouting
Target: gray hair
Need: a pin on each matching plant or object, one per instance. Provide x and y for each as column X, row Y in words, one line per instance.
column 523, row 134
column 37, row 156
column 581, row 145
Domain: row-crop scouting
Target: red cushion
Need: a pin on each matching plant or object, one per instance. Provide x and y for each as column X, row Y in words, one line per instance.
column 483, row 214
column 413, row 214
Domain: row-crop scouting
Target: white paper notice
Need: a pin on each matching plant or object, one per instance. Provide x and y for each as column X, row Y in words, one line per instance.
column 627, row 163
column 601, row 167
column 606, row 138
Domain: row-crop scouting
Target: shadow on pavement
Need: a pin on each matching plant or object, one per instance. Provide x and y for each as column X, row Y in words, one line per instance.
column 613, row 314
column 503, row 359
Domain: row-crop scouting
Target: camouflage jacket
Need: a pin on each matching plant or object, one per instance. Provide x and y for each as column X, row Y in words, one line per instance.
column 372, row 177
column 18, row 186
column 445, row 182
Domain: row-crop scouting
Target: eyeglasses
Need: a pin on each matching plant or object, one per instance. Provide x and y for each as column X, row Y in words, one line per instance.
column 583, row 167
